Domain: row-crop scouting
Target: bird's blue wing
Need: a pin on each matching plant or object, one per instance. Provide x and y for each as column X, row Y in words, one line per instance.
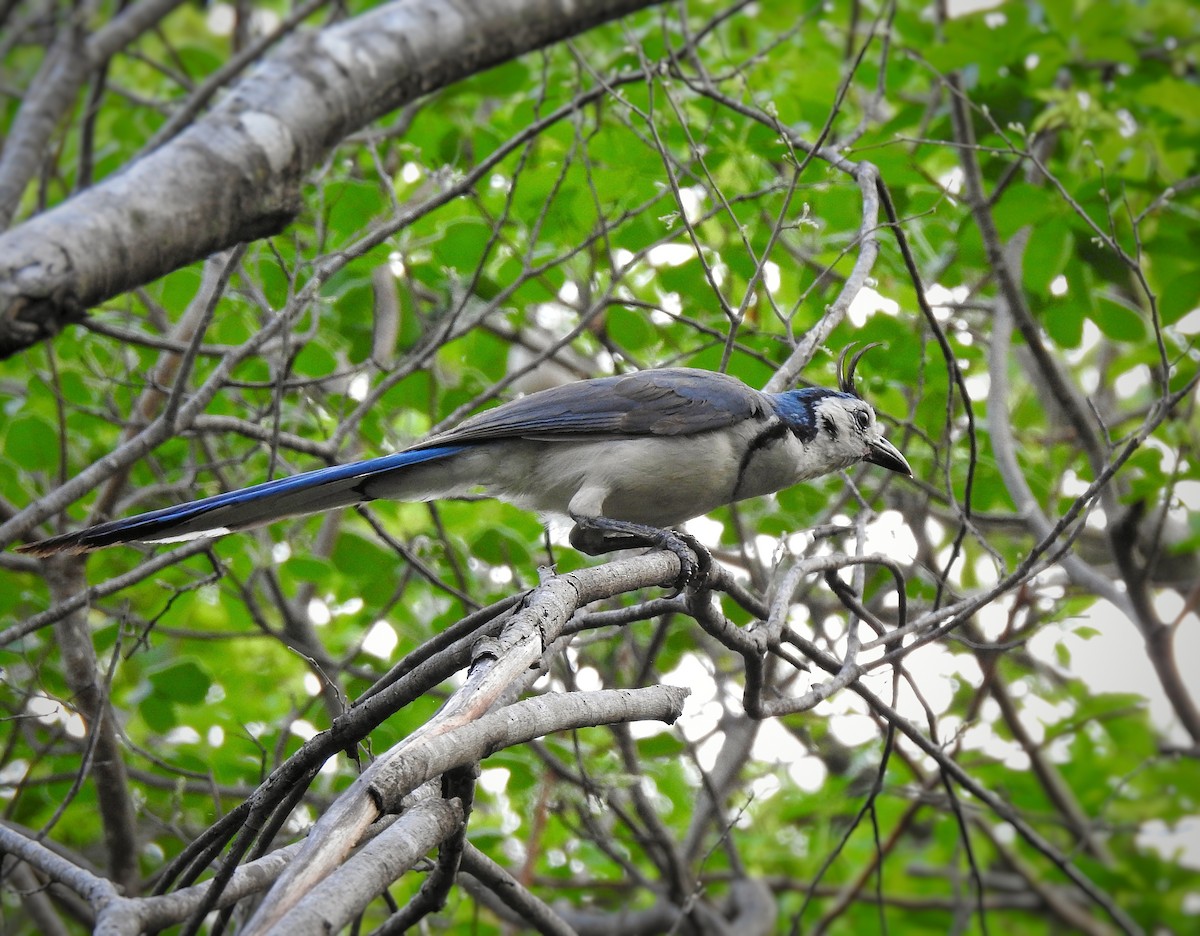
column 310, row 492
column 663, row 402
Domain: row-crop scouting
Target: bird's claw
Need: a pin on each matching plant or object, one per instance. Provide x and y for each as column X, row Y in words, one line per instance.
column 695, row 561
column 596, row 535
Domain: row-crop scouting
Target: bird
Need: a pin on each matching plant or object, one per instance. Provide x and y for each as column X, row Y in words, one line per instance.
column 625, row 457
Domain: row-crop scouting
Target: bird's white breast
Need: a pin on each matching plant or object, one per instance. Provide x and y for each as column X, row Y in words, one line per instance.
column 660, row 480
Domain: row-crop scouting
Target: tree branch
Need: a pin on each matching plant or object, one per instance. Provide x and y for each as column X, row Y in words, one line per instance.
column 236, row 174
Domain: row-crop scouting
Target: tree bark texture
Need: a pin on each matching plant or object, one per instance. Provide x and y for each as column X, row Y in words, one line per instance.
column 236, row 174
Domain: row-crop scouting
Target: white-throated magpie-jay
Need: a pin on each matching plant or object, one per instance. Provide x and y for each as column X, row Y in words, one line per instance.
column 624, row 457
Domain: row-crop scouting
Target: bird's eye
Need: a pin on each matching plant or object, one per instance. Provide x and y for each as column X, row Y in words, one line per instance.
column 864, row 419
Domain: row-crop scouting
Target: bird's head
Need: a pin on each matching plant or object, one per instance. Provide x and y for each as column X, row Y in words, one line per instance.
column 838, row 427
column 847, row 432
column 869, row 434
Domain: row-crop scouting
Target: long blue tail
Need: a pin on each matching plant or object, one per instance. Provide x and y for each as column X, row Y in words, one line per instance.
column 310, row 492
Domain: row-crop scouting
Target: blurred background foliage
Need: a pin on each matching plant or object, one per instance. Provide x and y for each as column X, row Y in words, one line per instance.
column 629, row 232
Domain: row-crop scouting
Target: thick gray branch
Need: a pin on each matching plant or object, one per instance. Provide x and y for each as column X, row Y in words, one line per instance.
column 235, row 175
column 388, row 781
column 334, row 903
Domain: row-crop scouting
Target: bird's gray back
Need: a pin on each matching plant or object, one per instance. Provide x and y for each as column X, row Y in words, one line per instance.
column 661, row 402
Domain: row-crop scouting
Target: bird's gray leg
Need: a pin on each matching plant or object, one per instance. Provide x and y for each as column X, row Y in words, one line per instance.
column 596, row 535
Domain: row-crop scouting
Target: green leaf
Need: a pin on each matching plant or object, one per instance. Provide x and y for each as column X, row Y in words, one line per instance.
column 1025, row 204
column 661, row 746
column 1179, row 297
column 1050, row 247
column 158, row 713
column 183, row 682
column 32, row 444
column 1063, row 318
column 631, row 330
column 1177, row 98
column 314, row 360
column 1118, row 321
column 350, row 205
column 462, row 248
column 309, row 569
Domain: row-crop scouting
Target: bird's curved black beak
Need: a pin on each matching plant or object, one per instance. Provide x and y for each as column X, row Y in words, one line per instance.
column 886, row 455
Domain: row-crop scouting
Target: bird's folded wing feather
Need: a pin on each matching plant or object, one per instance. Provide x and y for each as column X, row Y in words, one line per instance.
column 662, row 402
column 666, row 402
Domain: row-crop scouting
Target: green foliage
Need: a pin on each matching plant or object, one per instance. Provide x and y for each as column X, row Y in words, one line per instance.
column 220, row 662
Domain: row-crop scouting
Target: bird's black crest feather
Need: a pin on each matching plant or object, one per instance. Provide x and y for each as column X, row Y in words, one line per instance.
column 846, row 374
